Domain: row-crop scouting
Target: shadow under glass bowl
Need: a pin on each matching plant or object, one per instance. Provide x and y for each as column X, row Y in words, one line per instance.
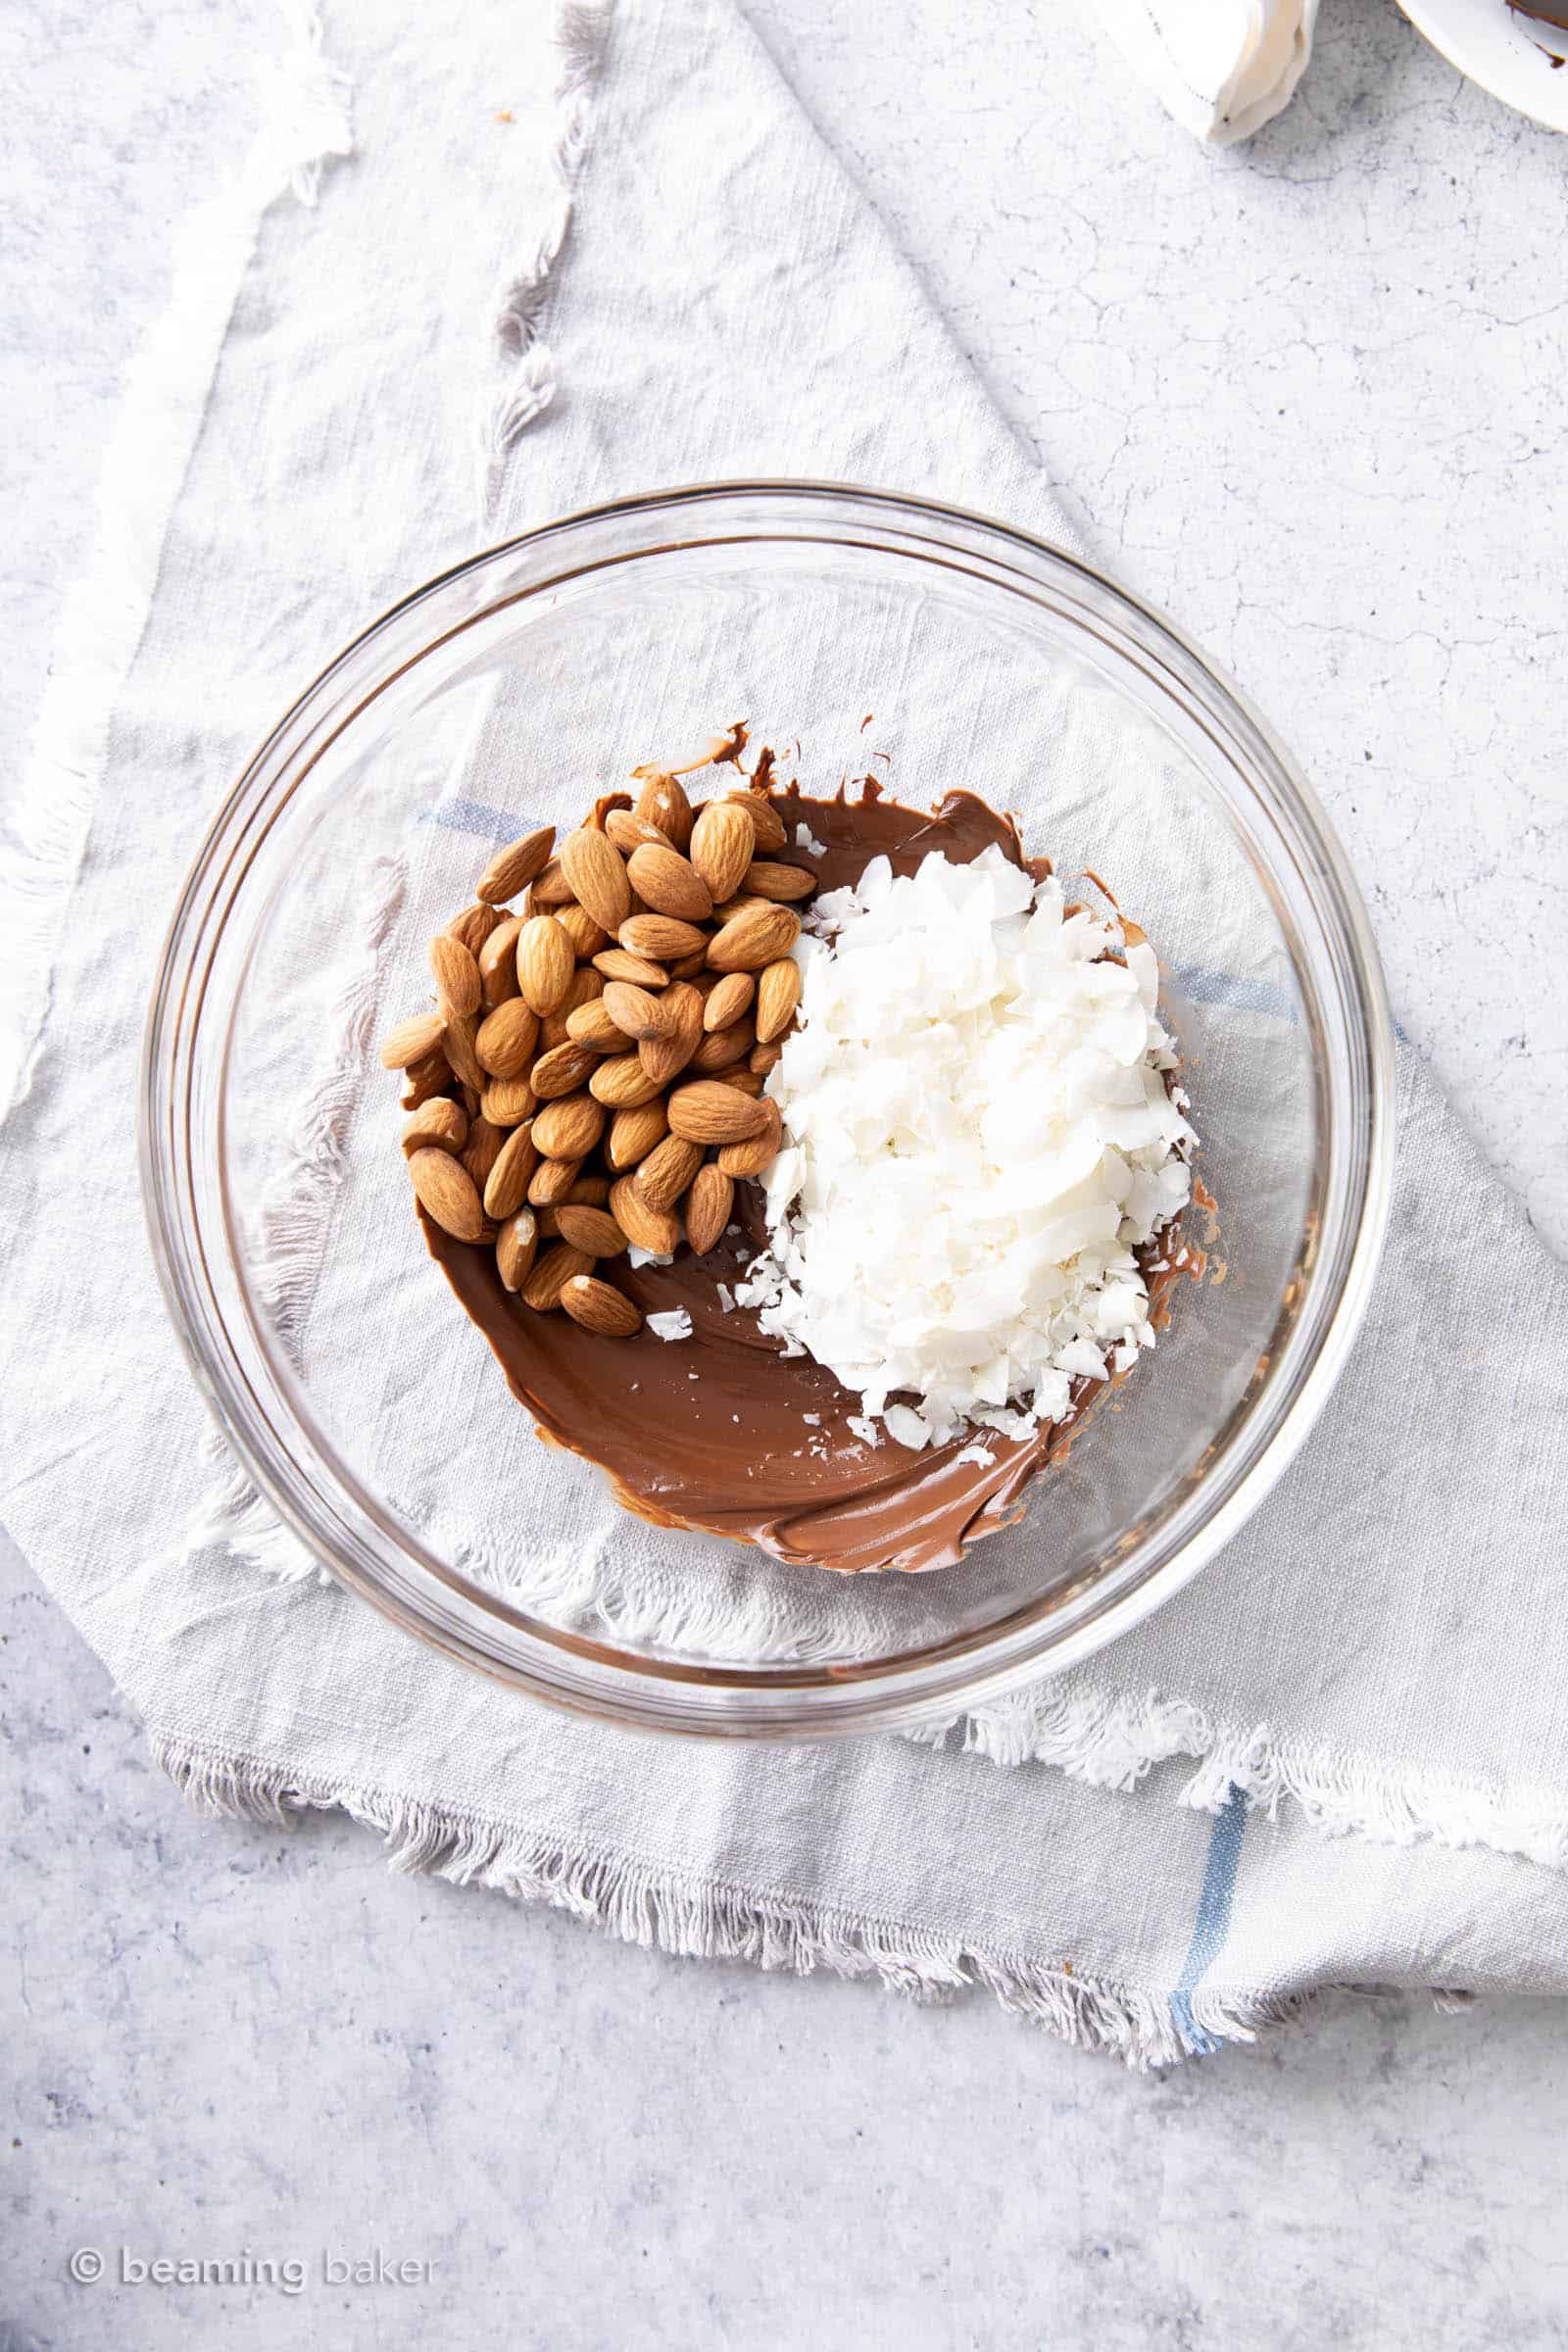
column 510, row 692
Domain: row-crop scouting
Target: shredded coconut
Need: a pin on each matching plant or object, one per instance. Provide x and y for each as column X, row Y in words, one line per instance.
column 979, row 1134
column 674, row 1324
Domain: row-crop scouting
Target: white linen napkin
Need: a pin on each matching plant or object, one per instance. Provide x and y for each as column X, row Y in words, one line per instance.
column 1223, row 68
column 1379, row 1654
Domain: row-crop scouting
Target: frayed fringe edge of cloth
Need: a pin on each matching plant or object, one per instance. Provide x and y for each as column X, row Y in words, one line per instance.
column 695, row 1919
column 305, row 124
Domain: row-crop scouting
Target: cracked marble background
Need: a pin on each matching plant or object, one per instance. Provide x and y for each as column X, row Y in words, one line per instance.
column 1307, row 394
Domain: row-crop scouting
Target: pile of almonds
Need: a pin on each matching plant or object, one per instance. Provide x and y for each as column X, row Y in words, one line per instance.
column 592, row 1074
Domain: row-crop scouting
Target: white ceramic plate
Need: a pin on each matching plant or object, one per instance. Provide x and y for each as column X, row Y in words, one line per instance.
column 1504, row 53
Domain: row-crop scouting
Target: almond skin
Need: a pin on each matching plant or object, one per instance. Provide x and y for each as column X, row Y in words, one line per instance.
column 568, row 1129
column 778, row 994
column 637, row 1012
column 546, row 960
column 660, row 937
column 430, row 1075
column 600, row 1307
column 766, row 880
column 446, row 1192
column 507, row 1101
column 593, row 1230
column 721, row 1048
column 498, row 963
column 707, row 1206
column 662, row 801
column 543, row 1287
column 724, row 846
column 551, row 1183
column 505, row 1044
column 483, row 1149
column 664, row 1058
column 629, row 833
column 439, row 1125
column 668, row 884
column 751, row 941
column 596, row 872
column 512, row 868
column 766, row 823
column 412, row 1040
column 461, row 1045
column 634, row 1133
column 754, row 1155
column 727, row 999
column 562, row 1071
column 474, row 925
column 516, row 1244
column 621, row 1083
column 506, row 1188
column 456, row 975
column 591, row 1025
column 654, row 1229
column 638, row 971
column 708, row 1113
column 586, row 936
column 667, row 1171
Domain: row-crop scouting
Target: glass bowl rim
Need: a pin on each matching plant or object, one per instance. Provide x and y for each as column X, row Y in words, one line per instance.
column 471, row 1624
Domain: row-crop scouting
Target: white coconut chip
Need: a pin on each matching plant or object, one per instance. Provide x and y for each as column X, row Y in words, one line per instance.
column 979, row 1134
column 674, row 1323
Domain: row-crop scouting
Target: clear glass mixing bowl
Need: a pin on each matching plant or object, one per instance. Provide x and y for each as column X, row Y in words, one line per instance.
column 510, row 691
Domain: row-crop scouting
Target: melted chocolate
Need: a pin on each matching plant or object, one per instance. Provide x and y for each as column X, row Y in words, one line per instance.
column 731, row 1450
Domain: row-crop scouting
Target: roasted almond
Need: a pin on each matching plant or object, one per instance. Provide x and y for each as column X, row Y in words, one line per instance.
column 507, row 1186
column 586, row 936
column 709, row 1112
column 662, row 801
column 668, row 883
column 727, row 999
column 545, row 960
column 723, row 1046
column 562, row 1071
column 438, row 1125
column 596, row 872
column 460, row 1048
column 512, row 868
column 542, row 1288
column 764, row 879
column 474, row 925
column 446, row 1192
column 483, row 1149
column 724, row 845
column 507, row 1101
column 506, row 1040
column 591, row 1025
column 707, row 1206
column 629, row 832
column 663, row 1176
column 621, row 1083
column 430, row 1075
column 569, row 1128
column 762, row 1058
column 638, row 1012
column 634, row 1133
column 656, row 1230
column 754, row 1155
column 551, row 1183
column 593, row 1230
column 778, row 993
column 751, row 941
column 516, row 1244
column 600, row 1307
column 552, row 889
column 412, row 1040
column 457, row 974
column 664, row 1058
column 638, row 971
column 766, row 823
column 498, row 963
column 659, row 937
